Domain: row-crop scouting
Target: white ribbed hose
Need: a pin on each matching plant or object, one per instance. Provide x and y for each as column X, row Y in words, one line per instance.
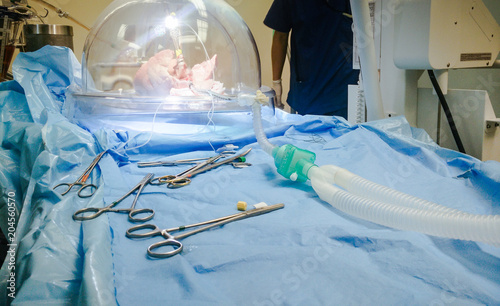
column 385, row 206
column 368, row 189
column 259, row 130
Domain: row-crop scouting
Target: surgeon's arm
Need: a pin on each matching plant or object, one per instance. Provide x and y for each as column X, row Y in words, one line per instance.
column 278, row 53
column 278, row 56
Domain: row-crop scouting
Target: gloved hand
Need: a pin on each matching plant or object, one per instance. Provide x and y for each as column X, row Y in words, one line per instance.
column 278, row 90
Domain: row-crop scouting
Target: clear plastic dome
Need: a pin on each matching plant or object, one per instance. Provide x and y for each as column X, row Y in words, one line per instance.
column 168, row 55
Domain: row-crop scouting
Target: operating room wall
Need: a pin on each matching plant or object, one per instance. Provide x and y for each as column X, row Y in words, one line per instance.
column 254, row 12
column 85, row 11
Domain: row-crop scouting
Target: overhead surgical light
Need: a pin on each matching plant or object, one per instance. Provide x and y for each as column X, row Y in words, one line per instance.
column 171, row 21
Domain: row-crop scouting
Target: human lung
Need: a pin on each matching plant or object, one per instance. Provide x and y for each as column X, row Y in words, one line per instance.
column 163, row 75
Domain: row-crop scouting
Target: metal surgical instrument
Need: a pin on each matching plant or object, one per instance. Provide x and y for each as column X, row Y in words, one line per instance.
column 171, row 163
column 82, row 179
column 174, row 240
column 132, row 212
column 181, row 179
column 184, row 178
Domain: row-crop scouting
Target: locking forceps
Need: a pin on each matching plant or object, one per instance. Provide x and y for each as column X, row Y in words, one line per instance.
column 184, row 178
column 171, row 163
column 181, row 179
column 82, row 179
column 174, row 240
column 132, row 212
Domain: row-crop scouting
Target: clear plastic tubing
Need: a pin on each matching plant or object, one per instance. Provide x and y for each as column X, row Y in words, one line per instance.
column 382, row 205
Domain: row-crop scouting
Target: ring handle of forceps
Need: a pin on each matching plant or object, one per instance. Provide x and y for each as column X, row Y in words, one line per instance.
column 154, row 232
column 130, row 233
column 171, row 180
column 83, row 186
column 133, row 213
column 155, row 181
column 178, row 183
column 96, row 213
column 170, row 241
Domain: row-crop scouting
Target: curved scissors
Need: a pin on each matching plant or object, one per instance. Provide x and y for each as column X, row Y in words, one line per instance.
column 132, row 212
column 82, row 179
column 174, row 240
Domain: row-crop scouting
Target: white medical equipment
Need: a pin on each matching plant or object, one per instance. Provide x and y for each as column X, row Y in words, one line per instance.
column 439, row 35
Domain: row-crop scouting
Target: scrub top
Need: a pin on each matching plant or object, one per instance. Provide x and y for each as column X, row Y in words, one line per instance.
column 321, row 53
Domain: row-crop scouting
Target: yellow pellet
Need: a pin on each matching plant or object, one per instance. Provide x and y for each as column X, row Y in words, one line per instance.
column 242, row 205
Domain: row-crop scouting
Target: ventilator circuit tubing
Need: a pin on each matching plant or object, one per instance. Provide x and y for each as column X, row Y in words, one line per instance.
column 388, row 207
column 259, row 131
column 385, row 206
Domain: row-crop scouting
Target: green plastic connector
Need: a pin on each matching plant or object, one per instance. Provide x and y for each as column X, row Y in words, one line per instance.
column 292, row 162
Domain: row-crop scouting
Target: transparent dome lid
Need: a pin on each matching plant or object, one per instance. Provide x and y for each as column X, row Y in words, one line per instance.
column 169, row 55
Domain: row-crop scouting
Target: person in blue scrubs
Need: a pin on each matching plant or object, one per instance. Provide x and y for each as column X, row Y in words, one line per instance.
column 321, row 54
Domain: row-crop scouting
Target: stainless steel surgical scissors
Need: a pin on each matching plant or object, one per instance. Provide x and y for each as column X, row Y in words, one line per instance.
column 132, row 212
column 184, row 178
column 82, row 179
column 174, row 240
